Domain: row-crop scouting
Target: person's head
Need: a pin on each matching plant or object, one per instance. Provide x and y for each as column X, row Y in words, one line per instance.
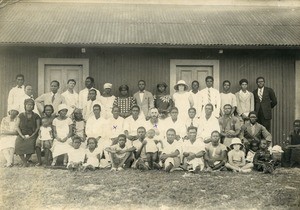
column 78, row 116
column 62, row 110
column 28, row 90
column 192, row 112
column 153, row 113
column 54, row 86
column 209, row 108
column 253, row 117
column 89, row 82
column 263, row 144
column 135, row 111
column 142, row 85
column 161, row 87
column 123, row 89
column 92, row 94
column 296, row 126
column 151, row 133
column 192, row 133
column 227, row 109
column 48, row 110
column 13, row 113
column 122, row 140
column 20, row 80
column 171, row 135
column 71, row 84
column 236, row 144
column 226, row 85
column 181, row 86
column 107, row 88
column 215, row 137
column 97, row 110
column 174, row 113
column 141, row 132
column 195, row 85
column 45, row 122
column 116, row 111
column 209, row 81
column 244, row 84
column 29, row 104
column 254, row 145
column 76, row 142
column 260, row 81
column 92, row 143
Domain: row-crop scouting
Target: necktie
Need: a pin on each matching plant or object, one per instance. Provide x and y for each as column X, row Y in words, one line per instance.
column 209, row 100
column 53, row 98
column 260, row 94
column 192, row 123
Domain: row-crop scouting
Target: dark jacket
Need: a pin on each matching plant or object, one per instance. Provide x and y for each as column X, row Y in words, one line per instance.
column 269, row 101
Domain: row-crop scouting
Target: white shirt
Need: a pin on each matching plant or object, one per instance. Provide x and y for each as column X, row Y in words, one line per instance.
column 14, row 98
column 83, row 95
column 195, row 121
column 115, row 126
column 206, row 127
column 215, row 100
column 196, row 147
column 96, row 127
column 141, row 94
column 76, row 155
column 197, row 102
column 88, row 108
column 132, row 125
column 107, row 105
column 170, row 148
column 228, row 98
column 71, row 100
column 178, row 126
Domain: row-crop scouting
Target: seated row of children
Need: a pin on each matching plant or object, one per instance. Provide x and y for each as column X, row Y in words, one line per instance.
column 146, row 153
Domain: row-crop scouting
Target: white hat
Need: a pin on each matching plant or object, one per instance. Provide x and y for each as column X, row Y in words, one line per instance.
column 181, row 82
column 277, row 148
column 107, row 85
column 61, row 107
column 236, row 141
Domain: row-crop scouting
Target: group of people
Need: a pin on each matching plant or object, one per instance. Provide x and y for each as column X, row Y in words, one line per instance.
column 190, row 130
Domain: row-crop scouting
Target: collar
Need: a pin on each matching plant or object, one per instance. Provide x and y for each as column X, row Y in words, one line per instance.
column 22, row 87
column 142, row 91
column 52, row 94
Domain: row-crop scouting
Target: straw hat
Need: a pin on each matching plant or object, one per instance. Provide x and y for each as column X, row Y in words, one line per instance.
column 181, row 82
column 236, row 141
column 61, row 107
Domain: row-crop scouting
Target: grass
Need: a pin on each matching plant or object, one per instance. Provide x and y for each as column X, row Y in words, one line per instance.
column 41, row 188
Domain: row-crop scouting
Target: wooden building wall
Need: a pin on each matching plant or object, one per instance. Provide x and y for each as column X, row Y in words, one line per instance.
column 128, row 65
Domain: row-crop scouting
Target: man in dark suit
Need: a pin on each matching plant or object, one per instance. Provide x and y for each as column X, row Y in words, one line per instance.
column 265, row 100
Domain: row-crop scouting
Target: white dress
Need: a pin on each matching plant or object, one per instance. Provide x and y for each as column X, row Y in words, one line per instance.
column 107, row 105
column 62, row 130
column 183, row 104
column 92, row 157
column 7, row 141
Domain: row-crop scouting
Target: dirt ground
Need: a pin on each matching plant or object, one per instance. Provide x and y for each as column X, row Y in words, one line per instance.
column 44, row 188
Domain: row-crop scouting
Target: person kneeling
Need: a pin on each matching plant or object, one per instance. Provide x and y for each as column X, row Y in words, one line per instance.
column 121, row 154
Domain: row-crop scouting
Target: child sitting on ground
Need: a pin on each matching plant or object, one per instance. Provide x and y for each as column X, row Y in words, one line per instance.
column 215, row 156
column 169, row 159
column 44, row 142
column 121, row 154
column 263, row 159
column 92, row 154
column 76, row 155
column 236, row 157
column 253, row 147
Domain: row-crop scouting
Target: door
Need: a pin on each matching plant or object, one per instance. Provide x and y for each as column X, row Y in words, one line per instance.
column 191, row 73
column 190, row 70
column 63, row 73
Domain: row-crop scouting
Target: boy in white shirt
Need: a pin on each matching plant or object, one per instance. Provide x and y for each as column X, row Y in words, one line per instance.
column 169, row 159
column 121, row 154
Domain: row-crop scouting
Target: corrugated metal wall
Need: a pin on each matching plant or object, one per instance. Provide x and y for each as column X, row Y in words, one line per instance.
column 128, row 65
